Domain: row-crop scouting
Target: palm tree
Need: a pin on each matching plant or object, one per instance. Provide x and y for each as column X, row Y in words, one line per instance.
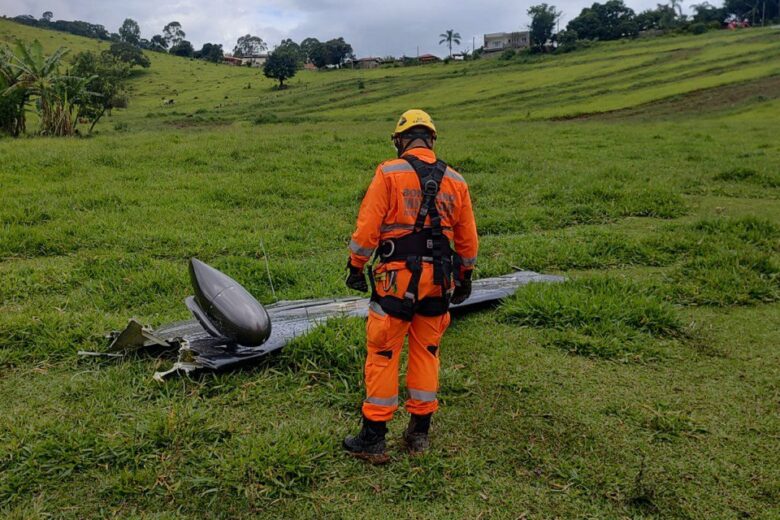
column 450, row 37
column 676, row 5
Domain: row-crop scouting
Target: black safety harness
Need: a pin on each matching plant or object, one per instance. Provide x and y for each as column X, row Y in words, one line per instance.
column 421, row 245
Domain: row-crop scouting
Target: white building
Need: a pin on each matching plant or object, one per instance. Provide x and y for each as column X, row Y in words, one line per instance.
column 256, row 60
column 503, row 40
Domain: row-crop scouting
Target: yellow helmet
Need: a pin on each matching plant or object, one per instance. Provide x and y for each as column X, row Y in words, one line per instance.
column 412, row 118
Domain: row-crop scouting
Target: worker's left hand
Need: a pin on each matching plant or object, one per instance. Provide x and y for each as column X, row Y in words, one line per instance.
column 356, row 279
column 462, row 289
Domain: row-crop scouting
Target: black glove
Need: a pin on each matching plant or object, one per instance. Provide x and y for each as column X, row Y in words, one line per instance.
column 356, row 279
column 462, row 288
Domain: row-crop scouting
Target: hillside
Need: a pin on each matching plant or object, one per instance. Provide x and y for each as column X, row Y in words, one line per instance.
column 648, row 172
column 610, row 76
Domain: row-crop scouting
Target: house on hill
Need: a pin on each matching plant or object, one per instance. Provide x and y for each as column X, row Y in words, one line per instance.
column 366, row 63
column 428, row 58
column 231, row 60
column 495, row 42
column 255, row 60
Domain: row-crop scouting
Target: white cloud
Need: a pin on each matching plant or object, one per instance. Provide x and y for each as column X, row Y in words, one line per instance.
column 372, row 27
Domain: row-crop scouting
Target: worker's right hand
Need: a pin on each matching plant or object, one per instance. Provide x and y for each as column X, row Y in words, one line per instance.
column 462, row 289
column 356, row 279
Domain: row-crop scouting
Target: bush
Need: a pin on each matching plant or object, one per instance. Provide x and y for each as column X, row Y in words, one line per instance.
column 507, row 54
column 698, row 28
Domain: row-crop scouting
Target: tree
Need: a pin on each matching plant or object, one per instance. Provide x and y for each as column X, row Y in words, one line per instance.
column 543, row 18
column 173, row 34
column 249, row 45
column 609, row 21
column 676, row 6
column 210, row 52
column 293, row 48
column 130, row 32
column 47, row 16
column 663, row 17
column 37, row 75
column 567, row 41
column 449, row 37
column 12, row 98
column 129, row 54
column 708, row 13
column 337, row 51
column 281, row 65
column 183, row 48
column 752, row 10
column 158, row 43
column 318, row 55
column 308, row 47
column 106, row 84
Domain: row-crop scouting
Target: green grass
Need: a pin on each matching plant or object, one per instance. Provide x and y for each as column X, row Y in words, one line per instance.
column 645, row 387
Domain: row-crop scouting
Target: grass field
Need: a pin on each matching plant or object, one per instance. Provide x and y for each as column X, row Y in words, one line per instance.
column 648, row 386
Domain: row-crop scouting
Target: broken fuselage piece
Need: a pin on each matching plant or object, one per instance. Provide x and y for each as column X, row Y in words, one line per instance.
column 232, row 329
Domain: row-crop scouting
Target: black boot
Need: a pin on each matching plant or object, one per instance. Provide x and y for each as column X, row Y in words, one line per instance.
column 369, row 444
column 416, row 434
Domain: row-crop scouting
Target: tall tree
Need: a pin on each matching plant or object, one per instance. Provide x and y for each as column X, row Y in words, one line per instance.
column 707, row 13
column 249, row 45
column 158, row 43
column 130, row 32
column 608, row 21
column 293, row 48
column 449, row 37
column 318, row 54
column 173, row 33
column 47, row 16
column 337, row 51
column 210, row 52
column 184, row 49
column 676, row 5
column 308, row 47
column 543, row 18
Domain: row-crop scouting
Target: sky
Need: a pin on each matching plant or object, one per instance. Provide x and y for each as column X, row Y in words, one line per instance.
column 372, row 27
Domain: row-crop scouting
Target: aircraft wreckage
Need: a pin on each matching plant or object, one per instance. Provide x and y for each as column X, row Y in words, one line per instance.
column 232, row 329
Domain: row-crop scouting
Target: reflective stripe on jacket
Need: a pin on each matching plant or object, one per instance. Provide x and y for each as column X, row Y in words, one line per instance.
column 390, row 206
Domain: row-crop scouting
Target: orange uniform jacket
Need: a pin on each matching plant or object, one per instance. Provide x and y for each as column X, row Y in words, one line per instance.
column 391, row 204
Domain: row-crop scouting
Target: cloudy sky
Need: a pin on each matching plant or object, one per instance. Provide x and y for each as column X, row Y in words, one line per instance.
column 373, row 27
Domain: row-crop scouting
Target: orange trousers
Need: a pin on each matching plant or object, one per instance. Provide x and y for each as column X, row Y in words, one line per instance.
column 385, row 336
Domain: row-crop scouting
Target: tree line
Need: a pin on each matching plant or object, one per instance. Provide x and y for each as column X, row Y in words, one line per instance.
column 613, row 20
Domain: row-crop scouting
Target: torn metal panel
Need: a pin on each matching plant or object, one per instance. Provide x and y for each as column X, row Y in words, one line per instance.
column 205, row 343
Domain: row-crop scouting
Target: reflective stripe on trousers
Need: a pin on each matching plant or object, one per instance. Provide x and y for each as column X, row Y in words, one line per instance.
column 383, row 401
column 422, row 395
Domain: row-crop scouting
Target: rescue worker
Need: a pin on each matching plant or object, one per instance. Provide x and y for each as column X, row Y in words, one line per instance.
column 416, row 208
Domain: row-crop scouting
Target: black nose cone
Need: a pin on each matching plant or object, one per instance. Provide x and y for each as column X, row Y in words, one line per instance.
column 231, row 309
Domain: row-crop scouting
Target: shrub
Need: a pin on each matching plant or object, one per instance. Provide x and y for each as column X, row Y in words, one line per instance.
column 507, row 54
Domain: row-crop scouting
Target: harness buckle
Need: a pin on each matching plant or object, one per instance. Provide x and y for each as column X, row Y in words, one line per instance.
column 431, row 188
column 429, row 243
